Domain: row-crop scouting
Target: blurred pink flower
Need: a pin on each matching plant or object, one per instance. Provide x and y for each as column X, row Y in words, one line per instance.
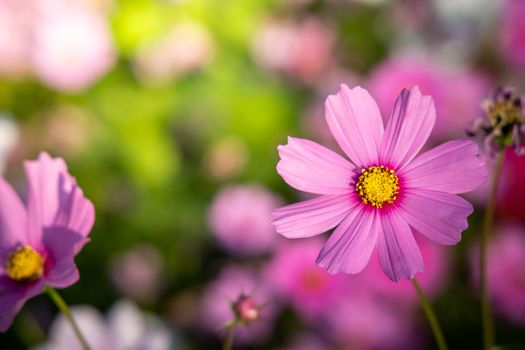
column 294, row 276
column 362, row 322
column 126, row 328
column 217, row 305
column 457, row 104
column 15, row 37
column 187, row 47
column 240, row 218
column 506, row 271
column 72, row 46
column 385, row 191
column 137, row 273
column 513, row 32
column 39, row 242
column 302, row 50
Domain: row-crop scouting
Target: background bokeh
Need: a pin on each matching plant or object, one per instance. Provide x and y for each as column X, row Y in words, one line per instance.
column 169, row 113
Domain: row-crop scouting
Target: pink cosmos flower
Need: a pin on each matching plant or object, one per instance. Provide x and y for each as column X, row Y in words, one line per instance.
column 386, row 191
column 506, row 271
column 39, row 242
column 240, row 217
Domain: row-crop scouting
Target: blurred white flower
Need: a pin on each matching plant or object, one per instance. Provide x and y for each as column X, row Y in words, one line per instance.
column 8, row 138
column 126, row 328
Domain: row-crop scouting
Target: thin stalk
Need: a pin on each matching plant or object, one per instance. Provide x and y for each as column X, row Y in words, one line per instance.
column 488, row 221
column 62, row 306
column 431, row 316
column 228, row 339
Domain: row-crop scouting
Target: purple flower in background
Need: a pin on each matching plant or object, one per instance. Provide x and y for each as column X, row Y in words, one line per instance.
column 296, row 278
column 385, row 191
column 506, row 271
column 218, row 305
column 39, row 242
column 240, row 217
column 126, row 328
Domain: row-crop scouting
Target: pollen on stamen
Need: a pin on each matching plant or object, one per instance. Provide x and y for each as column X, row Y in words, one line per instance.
column 25, row 264
column 377, row 185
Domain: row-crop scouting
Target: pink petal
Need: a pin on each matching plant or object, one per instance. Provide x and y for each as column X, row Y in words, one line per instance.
column 13, row 297
column 355, row 121
column 13, row 221
column 312, row 217
column 408, row 127
column 61, row 246
column 310, row 167
column 398, row 251
column 440, row 216
column 55, row 199
column 349, row 247
column 453, row 167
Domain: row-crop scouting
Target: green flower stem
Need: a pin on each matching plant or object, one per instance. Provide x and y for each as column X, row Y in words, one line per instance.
column 62, row 306
column 488, row 221
column 431, row 316
column 228, row 339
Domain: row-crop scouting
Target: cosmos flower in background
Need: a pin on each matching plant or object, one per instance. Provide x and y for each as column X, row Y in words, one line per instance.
column 137, row 273
column 67, row 45
column 294, row 277
column 456, row 104
column 72, row 46
column 240, row 219
column 15, row 37
column 126, row 328
column 301, row 50
column 506, row 271
column 513, row 32
column 39, row 242
column 187, row 47
column 218, row 304
column 386, row 191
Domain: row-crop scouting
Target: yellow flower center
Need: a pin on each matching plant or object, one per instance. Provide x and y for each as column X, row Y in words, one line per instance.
column 25, row 264
column 377, row 185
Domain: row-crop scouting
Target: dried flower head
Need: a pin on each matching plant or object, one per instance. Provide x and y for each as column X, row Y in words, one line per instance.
column 504, row 124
